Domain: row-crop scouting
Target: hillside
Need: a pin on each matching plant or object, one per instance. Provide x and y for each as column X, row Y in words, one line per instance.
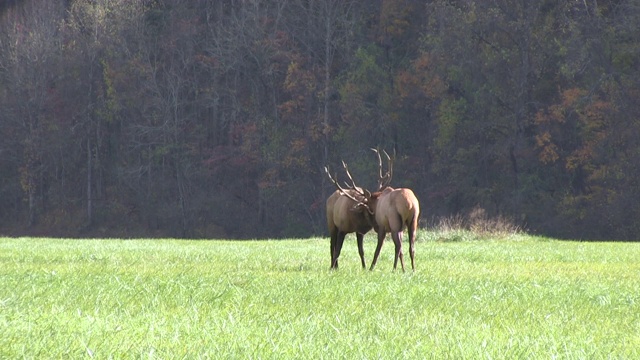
column 214, row 119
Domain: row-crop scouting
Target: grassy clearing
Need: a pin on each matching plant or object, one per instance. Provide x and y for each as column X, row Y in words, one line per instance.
column 520, row 297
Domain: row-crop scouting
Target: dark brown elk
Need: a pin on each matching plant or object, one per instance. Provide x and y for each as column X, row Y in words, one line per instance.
column 391, row 210
column 344, row 216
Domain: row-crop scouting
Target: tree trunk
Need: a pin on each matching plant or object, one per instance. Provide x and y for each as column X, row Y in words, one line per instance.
column 89, row 181
column 327, row 89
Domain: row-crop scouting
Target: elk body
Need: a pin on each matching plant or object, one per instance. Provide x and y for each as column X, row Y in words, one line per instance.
column 391, row 211
column 342, row 218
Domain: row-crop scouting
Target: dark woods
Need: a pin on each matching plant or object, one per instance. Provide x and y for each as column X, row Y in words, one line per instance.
column 215, row 118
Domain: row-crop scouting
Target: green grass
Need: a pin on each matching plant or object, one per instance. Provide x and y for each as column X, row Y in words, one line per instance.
column 519, row 297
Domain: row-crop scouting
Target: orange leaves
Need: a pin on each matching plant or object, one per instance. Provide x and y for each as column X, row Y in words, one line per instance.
column 299, row 80
column 395, row 18
column 594, row 129
column 421, row 79
column 289, row 107
column 574, row 130
column 571, row 96
column 297, row 156
column 300, row 84
column 569, row 102
column 594, row 116
column 548, row 150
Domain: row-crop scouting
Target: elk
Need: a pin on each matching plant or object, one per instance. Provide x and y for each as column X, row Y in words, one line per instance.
column 393, row 211
column 344, row 216
column 389, row 210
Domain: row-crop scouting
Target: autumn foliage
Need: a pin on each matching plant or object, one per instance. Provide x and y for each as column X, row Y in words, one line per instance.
column 215, row 118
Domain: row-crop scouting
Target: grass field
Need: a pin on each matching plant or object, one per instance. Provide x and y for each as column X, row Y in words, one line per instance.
column 517, row 297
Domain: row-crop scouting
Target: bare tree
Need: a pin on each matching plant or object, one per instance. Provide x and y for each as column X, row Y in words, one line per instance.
column 31, row 47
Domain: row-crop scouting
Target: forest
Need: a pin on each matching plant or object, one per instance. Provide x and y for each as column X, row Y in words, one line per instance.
column 215, row 118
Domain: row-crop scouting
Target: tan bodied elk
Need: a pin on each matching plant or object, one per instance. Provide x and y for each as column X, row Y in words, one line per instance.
column 344, row 216
column 391, row 210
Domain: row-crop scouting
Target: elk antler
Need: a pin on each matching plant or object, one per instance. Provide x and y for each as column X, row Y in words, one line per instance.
column 353, row 186
column 353, row 183
column 384, row 180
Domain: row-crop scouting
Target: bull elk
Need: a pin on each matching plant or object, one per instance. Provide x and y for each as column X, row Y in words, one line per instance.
column 389, row 210
column 344, row 216
column 393, row 211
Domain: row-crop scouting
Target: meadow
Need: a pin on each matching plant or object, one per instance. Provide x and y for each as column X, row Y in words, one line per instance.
column 516, row 296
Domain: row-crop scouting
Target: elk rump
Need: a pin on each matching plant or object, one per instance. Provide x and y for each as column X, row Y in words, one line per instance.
column 393, row 210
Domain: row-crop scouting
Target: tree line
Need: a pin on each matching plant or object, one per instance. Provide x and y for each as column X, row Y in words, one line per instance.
column 196, row 118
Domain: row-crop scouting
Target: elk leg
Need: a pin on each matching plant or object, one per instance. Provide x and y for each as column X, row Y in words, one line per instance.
column 412, row 240
column 338, row 247
column 381, row 236
column 397, row 240
column 334, row 237
column 360, row 239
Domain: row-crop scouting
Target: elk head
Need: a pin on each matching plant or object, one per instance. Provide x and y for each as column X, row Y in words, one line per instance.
column 364, row 197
